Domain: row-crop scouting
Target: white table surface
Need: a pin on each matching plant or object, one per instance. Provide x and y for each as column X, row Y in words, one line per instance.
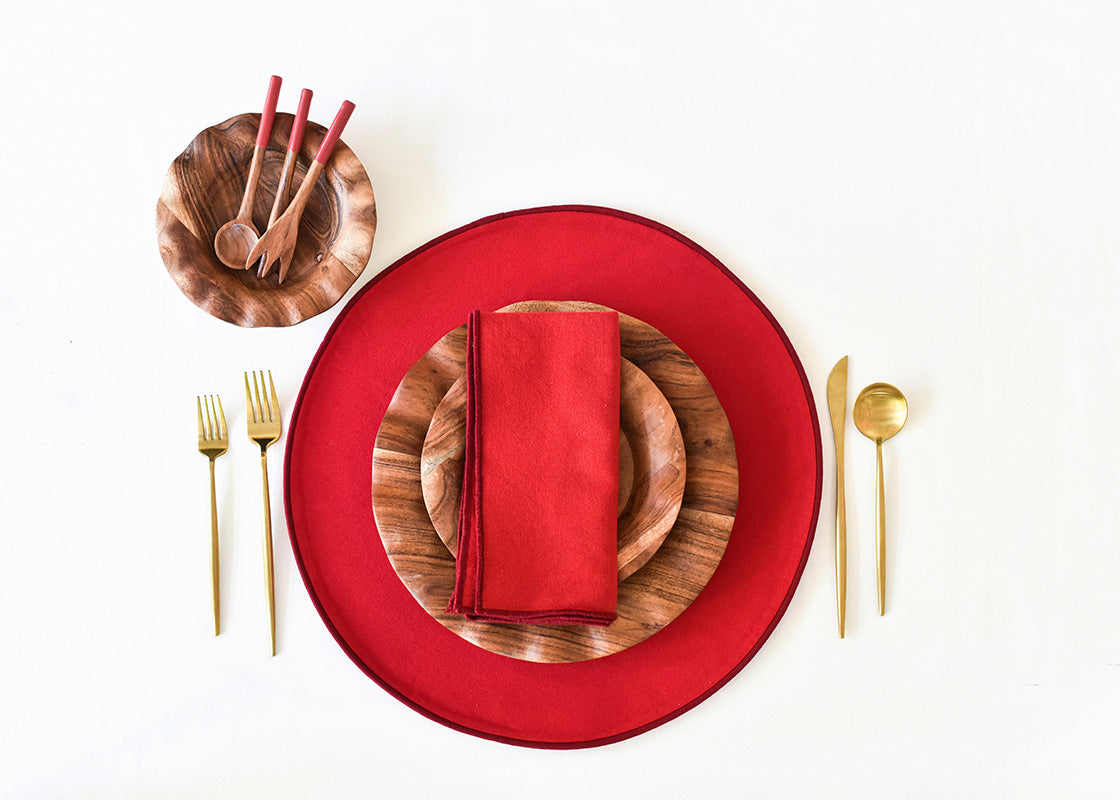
column 932, row 189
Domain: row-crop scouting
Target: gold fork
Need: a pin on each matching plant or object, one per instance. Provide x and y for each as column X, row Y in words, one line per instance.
column 213, row 441
column 262, row 413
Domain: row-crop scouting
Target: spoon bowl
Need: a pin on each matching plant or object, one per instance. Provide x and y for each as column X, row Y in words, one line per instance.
column 234, row 241
column 879, row 413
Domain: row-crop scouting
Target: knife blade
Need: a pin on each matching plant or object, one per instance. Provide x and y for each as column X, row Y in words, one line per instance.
column 837, row 408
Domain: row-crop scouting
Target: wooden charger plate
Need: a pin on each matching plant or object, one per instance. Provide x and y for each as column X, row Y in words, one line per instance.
column 203, row 191
column 650, row 598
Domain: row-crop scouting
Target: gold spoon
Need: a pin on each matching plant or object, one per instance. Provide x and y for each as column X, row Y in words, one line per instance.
column 879, row 413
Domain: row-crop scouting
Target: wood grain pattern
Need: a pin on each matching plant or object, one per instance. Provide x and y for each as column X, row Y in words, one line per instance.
column 651, row 597
column 651, row 463
column 202, row 191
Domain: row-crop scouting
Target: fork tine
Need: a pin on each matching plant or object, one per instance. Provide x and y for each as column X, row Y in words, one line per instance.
column 259, row 256
column 259, row 249
column 208, row 406
column 266, row 405
column 222, row 432
column 265, row 400
column 275, row 404
column 264, row 266
column 201, row 427
column 257, row 397
column 250, row 412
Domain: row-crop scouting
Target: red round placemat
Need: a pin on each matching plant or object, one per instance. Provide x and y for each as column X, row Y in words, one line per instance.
column 640, row 268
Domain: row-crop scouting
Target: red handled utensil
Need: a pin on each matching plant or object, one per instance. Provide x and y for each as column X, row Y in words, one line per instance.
column 236, row 238
column 279, row 241
column 295, row 141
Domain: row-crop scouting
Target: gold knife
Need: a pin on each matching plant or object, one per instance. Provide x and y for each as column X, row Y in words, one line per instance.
column 837, row 408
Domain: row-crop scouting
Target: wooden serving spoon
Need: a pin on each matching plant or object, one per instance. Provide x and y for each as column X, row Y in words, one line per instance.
column 236, row 238
column 279, row 241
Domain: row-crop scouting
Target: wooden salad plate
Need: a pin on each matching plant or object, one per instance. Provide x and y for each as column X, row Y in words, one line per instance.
column 670, row 568
column 202, row 191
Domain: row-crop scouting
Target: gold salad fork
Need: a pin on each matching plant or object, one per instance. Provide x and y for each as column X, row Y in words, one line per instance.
column 262, row 413
column 213, row 441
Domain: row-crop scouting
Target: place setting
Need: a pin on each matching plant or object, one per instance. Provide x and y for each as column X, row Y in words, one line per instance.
column 552, row 478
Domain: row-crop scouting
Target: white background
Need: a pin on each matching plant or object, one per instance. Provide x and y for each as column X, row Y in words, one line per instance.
column 930, row 188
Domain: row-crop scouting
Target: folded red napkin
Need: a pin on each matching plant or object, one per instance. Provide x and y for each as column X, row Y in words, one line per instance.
column 538, row 512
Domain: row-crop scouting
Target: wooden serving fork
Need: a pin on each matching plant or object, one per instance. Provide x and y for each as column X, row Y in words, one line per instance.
column 279, row 241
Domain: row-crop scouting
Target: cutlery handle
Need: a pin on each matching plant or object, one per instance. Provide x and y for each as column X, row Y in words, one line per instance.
column 295, row 141
column 249, row 198
column 841, row 546
column 340, row 120
column 283, row 189
column 880, row 529
column 214, row 551
column 303, row 194
column 264, row 132
column 268, row 581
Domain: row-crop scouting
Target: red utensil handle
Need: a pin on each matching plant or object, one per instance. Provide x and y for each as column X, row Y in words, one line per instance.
column 296, row 138
column 264, row 133
column 340, row 119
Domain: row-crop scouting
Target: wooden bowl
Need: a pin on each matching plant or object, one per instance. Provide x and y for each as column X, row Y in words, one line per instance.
column 203, row 191
column 649, row 599
column 651, row 466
